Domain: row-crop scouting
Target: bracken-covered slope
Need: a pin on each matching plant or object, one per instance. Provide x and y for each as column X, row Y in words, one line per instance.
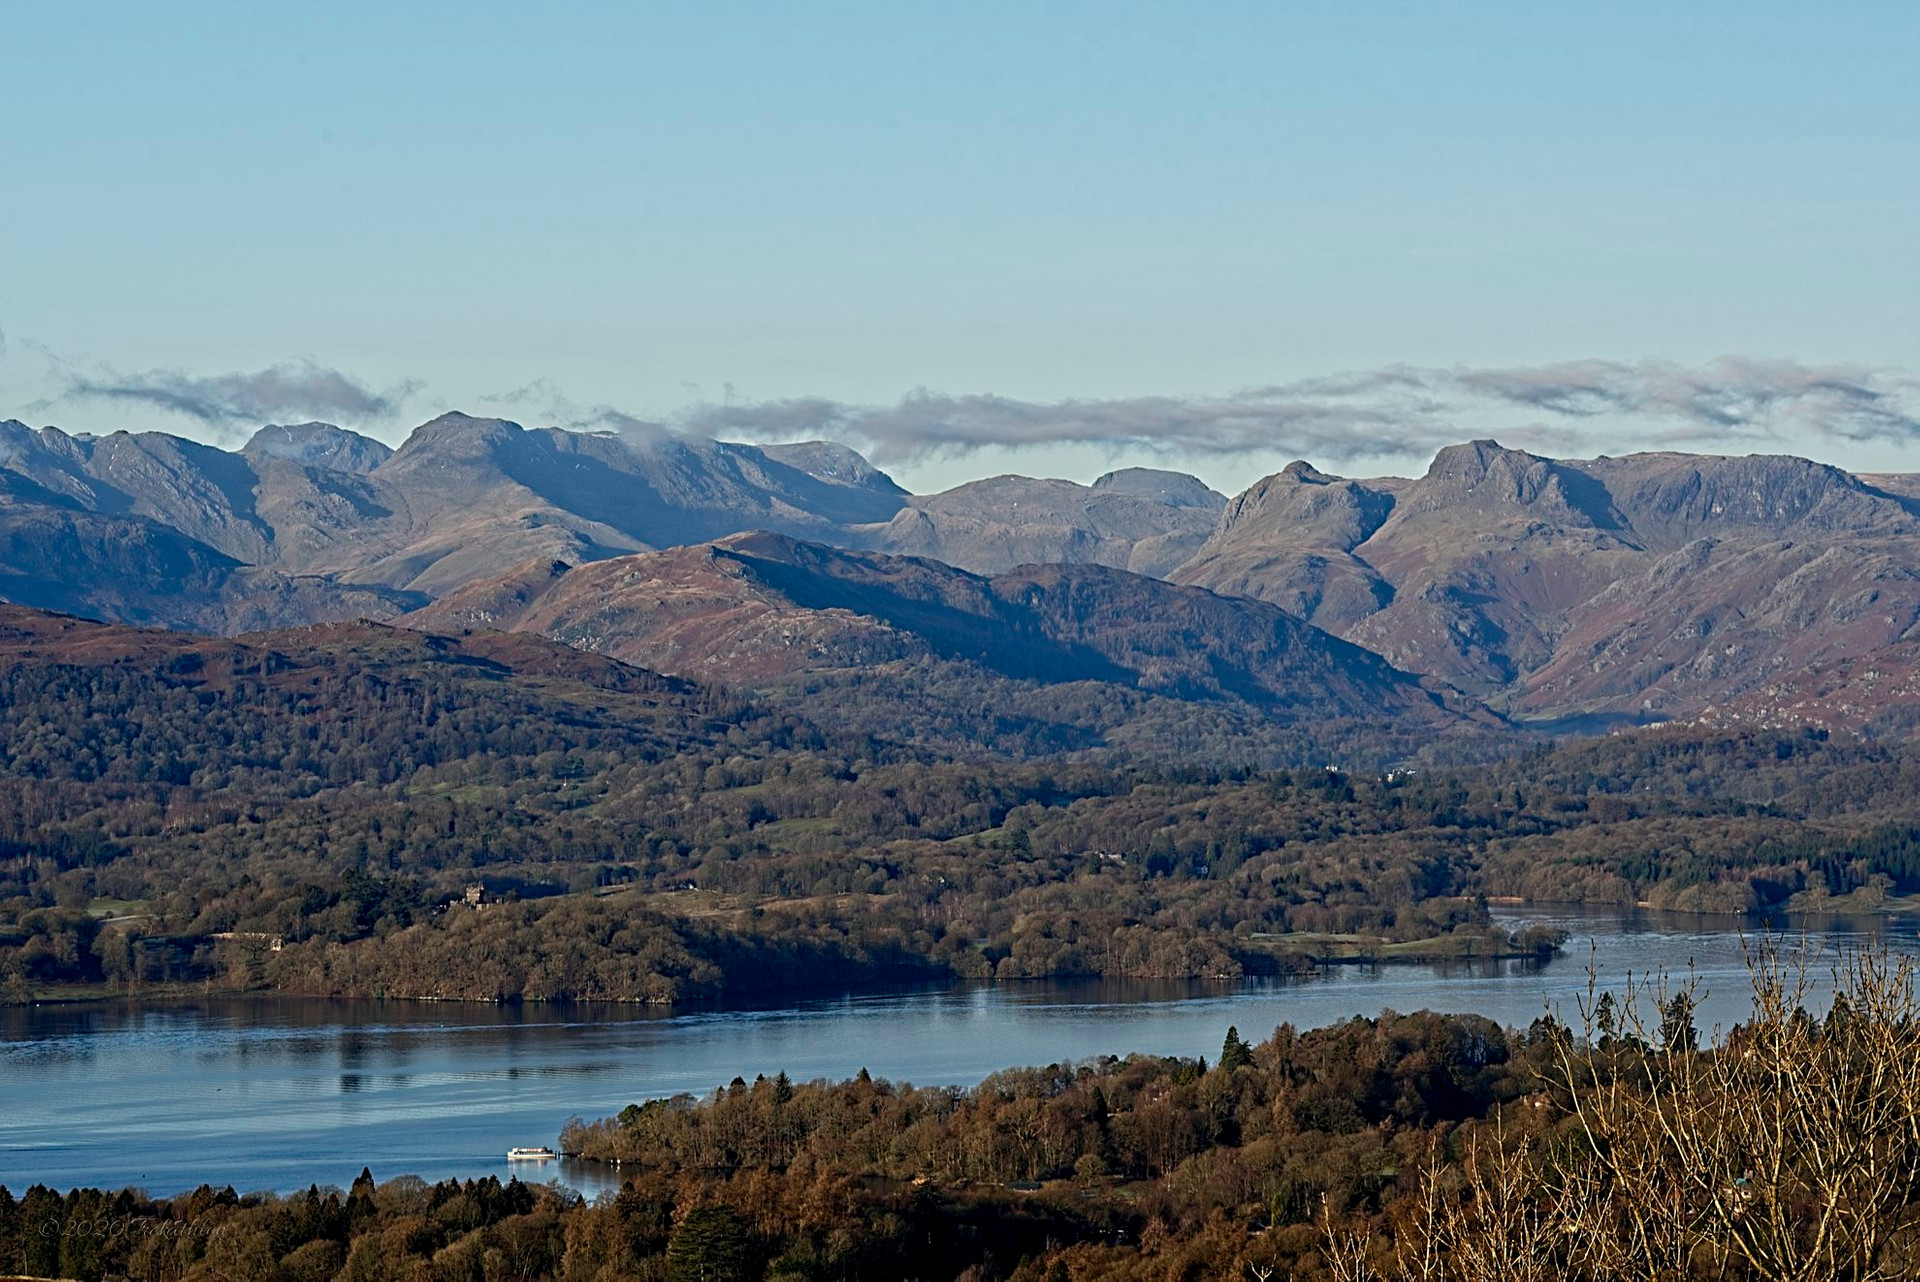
column 369, row 653
column 762, row 605
column 1653, row 586
column 778, row 614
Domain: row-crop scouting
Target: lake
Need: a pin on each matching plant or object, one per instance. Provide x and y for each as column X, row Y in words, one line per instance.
column 274, row 1093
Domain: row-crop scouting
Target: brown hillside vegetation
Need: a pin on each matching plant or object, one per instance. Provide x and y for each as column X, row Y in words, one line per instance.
column 759, row 606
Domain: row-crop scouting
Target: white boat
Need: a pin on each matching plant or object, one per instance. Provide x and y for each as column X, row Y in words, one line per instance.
column 531, row 1155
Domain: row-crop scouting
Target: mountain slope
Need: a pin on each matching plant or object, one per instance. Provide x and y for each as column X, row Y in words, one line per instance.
column 58, row 555
column 759, row 605
column 466, row 499
column 1650, row 586
column 780, row 615
column 1647, row 587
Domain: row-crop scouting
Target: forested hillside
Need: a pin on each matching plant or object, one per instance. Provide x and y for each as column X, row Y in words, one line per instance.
column 296, row 810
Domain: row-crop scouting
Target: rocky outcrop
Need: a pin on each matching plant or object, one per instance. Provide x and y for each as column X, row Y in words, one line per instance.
column 1137, row 520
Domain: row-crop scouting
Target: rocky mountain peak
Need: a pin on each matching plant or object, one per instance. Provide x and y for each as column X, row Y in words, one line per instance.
column 318, row 445
column 1472, row 464
column 833, row 463
column 1304, row 473
column 457, row 433
column 1305, row 506
column 14, row 437
column 1175, row 489
column 1484, row 477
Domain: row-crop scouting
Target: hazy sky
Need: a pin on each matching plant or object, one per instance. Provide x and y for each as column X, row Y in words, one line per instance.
column 1545, row 222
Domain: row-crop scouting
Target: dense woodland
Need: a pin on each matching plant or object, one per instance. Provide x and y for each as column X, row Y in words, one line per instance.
column 298, row 815
column 1414, row 1147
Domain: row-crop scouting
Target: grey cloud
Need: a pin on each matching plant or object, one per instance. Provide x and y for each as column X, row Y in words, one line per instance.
column 1300, row 420
column 1736, row 397
column 544, row 400
column 928, row 424
column 1398, row 410
column 296, row 389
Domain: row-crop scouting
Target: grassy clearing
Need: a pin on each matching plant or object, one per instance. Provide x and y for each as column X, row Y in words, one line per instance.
column 103, row 908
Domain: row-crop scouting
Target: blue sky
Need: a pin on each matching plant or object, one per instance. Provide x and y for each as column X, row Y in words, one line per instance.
column 649, row 211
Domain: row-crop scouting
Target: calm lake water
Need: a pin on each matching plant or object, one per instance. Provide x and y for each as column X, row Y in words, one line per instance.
column 277, row 1094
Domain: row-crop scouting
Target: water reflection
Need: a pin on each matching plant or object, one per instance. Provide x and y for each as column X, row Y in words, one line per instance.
column 272, row 1093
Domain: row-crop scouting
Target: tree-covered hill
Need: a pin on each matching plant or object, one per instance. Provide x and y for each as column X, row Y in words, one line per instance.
column 173, row 807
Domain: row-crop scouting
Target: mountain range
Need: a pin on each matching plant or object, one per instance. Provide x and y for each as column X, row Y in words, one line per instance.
column 1653, row 586
column 1765, row 589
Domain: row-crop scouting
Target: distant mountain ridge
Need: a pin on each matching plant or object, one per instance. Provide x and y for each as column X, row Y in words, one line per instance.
column 1652, row 586
column 1646, row 587
column 369, row 529
column 1135, row 520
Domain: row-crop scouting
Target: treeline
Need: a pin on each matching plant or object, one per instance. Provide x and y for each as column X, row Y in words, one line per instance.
column 477, row 1229
column 940, row 709
column 1305, row 1114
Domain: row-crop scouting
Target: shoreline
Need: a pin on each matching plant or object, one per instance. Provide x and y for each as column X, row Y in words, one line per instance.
column 1294, row 956
column 347, row 1059
column 1296, row 965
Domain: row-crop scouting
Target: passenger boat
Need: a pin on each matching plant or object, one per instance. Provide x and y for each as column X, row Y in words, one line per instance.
column 531, row 1155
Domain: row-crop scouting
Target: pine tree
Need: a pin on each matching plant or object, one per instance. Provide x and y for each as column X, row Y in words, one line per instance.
column 709, row 1246
column 1235, row 1053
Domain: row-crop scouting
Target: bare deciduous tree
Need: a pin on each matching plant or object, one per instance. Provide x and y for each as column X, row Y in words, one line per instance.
column 1787, row 1151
